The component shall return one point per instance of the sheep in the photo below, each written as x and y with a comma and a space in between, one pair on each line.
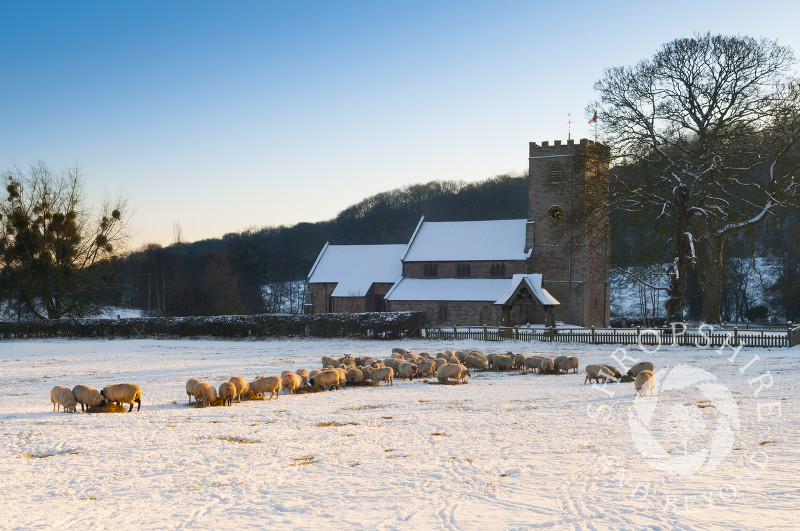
572, 363
227, 392
303, 373
438, 362
490, 360
533, 362
597, 373
87, 396
266, 384
355, 375
342, 375
407, 370
519, 361
328, 362
613, 370
479, 354
546, 365
474, 362
398, 350
190, 383
634, 371
242, 387
291, 381
347, 362
329, 378
449, 371
394, 363
385, 374
426, 355
645, 381
559, 362
62, 395
503, 362
464, 374
426, 367
123, 393
204, 394
441, 356
462, 355
366, 371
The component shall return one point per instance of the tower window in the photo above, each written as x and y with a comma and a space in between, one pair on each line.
556, 173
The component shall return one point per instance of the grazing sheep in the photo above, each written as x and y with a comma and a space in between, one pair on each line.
426, 355
474, 362
355, 375
62, 395
479, 354
503, 362
227, 392
490, 360
123, 393
448, 372
597, 373
426, 367
464, 374
613, 370
190, 383
572, 363
519, 361
303, 373
291, 381
398, 350
559, 362
242, 387
441, 356
328, 362
346, 363
87, 396
645, 381
386, 374
342, 375
534, 363
328, 378
204, 394
438, 362
546, 365
407, 370
266, 384
462, 355
634, 371
394, 363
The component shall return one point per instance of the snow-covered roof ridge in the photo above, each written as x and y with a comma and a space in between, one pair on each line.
447, 289
502, 239
534, 282
354, 268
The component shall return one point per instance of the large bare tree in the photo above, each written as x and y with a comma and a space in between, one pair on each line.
54, 252
707, 131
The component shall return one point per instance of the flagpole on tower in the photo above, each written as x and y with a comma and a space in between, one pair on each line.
569, 126
594, 121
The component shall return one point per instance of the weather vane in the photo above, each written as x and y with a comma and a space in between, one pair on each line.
569, 126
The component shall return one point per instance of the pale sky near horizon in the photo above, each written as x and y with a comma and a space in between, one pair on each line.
228, 115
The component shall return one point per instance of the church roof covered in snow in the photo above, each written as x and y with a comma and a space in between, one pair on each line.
502, 239
356, 267
533, 282
448, 289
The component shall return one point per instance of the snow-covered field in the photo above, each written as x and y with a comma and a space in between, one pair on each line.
716, 447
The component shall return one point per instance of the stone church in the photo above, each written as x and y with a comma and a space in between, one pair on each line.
552, 266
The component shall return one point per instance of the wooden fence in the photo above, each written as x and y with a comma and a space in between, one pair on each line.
624, 336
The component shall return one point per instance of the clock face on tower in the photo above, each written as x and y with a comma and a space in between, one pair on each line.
555, 213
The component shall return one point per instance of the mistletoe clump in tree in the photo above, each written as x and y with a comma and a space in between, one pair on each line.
705, 135
56, 257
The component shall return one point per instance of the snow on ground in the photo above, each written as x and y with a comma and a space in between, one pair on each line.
716, 447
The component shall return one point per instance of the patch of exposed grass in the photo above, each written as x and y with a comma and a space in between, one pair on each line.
237, 440
92, 498
42, 456
626, 379
334, 423
387, 418
389, 450
307, 390
397, 456
307, 460
437, 434
108, 408
705, 403
762, 443
348, 435
361, 408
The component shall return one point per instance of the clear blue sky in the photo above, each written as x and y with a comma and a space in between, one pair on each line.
227, 115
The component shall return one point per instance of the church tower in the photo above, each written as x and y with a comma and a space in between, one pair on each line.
568, 238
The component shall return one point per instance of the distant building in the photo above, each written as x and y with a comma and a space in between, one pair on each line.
502, 272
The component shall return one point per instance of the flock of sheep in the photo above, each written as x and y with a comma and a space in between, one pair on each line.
338, 372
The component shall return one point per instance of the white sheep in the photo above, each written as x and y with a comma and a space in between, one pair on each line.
407, 370
634, 371
534, 363
227, 392
190, 383
328, 378
303, 373
597, 373
290, 381
613, 370
546, 365
266, 384
449, 371
123, 393
242, 387
62, 396
355, 375
204, 394
87, 396
645, 381
385, 374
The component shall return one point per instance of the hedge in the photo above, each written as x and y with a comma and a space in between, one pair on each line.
364, 325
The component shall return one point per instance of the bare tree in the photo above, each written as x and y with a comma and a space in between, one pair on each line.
55, 254
709, 129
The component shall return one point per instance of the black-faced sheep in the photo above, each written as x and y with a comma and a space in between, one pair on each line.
62, 396
87, 396
227, 392
123, 393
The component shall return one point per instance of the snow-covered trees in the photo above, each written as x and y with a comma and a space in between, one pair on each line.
706, 135
54, 255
